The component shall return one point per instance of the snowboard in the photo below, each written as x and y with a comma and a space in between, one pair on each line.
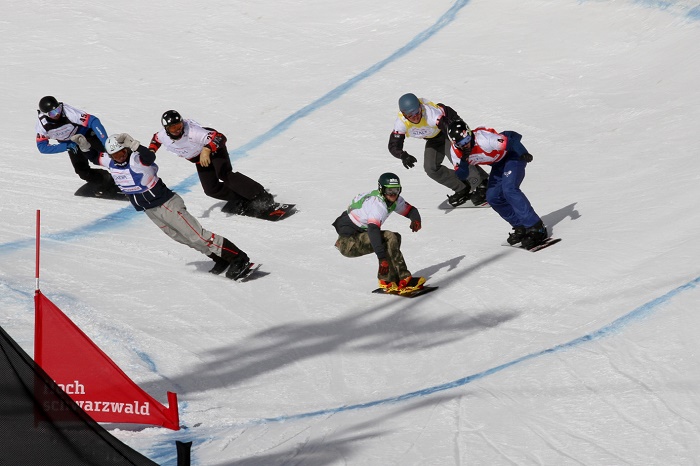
411, 294
274, 214
445, 205
248, 273
543, 245
91, 190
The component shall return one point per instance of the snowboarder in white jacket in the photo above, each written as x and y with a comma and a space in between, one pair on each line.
206, 148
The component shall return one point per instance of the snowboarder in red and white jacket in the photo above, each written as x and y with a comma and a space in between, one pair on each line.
508, 158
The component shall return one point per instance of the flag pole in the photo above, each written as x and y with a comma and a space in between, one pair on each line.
38, 333
38, 224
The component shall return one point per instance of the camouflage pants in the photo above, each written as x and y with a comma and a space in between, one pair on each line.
359, 245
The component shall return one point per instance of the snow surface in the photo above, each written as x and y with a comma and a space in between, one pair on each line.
585, 353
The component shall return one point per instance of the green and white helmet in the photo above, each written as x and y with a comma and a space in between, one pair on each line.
388, 180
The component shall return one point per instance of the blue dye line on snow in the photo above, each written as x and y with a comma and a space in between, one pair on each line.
614, 327
689, 10
110, 221
147, 359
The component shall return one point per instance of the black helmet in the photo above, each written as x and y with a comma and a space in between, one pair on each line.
388, 180
48, 103
459, 133
409, 104
170, 117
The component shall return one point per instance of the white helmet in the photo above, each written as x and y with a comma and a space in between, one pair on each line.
112, 145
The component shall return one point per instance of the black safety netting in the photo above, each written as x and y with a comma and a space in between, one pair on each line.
41, 425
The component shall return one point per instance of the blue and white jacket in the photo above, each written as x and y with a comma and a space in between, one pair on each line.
72, 121
137, 178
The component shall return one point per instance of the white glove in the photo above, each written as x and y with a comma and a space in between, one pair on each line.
82, 143
126, 140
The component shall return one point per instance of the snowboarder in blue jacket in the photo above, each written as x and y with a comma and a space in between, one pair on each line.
59, 121
508, 158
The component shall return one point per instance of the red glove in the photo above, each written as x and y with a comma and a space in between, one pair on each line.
383, 267
415, 225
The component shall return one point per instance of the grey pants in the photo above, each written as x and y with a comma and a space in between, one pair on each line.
359, 245
174, 220
436, 149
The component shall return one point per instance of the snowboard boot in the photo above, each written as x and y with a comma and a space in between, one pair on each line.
459, 197
409, 284
534, 235
238, 260
478, 197
388, 286
239, 268
260, 204
235, 205
516, 236
220, 264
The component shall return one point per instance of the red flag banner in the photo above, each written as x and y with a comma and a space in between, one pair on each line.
89, 376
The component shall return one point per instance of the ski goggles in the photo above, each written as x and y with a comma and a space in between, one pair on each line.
56, 111
175, 127
392, 191
464, 142
412, 114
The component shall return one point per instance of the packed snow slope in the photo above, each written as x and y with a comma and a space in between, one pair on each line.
583, 353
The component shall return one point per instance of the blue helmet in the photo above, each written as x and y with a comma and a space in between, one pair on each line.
409, 104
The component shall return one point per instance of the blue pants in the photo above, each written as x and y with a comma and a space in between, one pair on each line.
504, 194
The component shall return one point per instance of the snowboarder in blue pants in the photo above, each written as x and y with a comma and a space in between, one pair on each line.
508, 158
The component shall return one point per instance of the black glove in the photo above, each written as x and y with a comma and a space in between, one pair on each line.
383, 267
408, 160
526, 157
415, 225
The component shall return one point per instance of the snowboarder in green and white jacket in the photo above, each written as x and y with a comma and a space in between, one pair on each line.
359, 232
